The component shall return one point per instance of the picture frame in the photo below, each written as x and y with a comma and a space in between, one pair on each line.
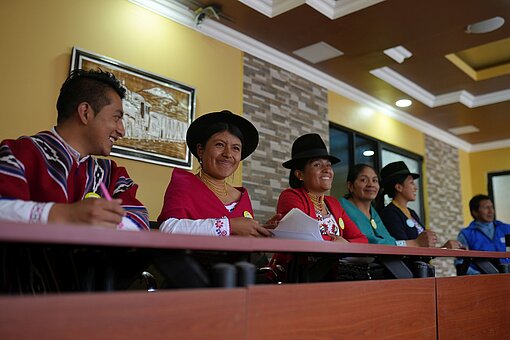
157, 112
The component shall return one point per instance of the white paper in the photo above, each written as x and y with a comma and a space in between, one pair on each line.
298, 226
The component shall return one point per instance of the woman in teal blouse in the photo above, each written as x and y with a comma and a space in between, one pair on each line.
363, 186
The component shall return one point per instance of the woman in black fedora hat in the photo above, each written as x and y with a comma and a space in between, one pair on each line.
401, 221
311, 176
204, 203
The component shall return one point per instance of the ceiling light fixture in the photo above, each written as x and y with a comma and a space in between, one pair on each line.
485, 26
461, 130
318, 52
403, 103
368, 153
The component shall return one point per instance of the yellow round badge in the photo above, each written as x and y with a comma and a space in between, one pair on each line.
341, 223
247, 214
92, 195
372, 222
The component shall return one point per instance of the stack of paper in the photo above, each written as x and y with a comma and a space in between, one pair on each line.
298, 226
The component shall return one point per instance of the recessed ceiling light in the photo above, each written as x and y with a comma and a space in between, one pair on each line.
464, 129
318, 52
485, 26
368, 153
403, 103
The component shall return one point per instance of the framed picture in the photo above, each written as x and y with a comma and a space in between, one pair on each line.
157, 112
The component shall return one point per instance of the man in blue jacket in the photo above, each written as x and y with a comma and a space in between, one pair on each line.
484, 232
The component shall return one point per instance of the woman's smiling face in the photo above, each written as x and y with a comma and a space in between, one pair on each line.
366, 186
221, 154
317, 175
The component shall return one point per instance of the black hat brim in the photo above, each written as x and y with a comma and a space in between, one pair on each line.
291, 164
388, 180
196, 131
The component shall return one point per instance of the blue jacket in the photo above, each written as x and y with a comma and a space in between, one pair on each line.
477, 240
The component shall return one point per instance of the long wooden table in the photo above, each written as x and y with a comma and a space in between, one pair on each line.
429, 308
101, 237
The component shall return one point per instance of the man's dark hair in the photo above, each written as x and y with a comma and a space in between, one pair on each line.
474, 203
86, 86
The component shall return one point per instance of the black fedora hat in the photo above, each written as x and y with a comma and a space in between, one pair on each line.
395, 169
199, 130
306, 147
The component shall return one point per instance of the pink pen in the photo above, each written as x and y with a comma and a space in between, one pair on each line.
107, 196
105, 192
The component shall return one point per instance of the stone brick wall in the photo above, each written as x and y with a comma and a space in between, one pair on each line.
444, 196
283, 107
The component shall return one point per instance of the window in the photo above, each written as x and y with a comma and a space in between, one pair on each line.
499, 192
353, 148
339, 145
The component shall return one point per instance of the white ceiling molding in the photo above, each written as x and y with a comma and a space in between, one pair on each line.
169, 9
405, 85
272, 8
500, 144
335, 9
398, 53
249, 45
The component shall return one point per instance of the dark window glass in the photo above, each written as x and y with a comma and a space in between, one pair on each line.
340, 144
353, 148
366, 151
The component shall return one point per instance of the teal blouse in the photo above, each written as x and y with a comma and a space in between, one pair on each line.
377, 236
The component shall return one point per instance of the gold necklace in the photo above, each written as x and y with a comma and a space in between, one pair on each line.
317, 200
219, 189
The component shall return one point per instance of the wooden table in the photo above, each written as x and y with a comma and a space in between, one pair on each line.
428, 308
100, 237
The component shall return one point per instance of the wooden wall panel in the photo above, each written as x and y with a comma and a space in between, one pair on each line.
190, 314
385, 309
474, 307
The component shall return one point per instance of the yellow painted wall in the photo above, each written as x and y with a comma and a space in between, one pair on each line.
36, 42
484, 162
366, 120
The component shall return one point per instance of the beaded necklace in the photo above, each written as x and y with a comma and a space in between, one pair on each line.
317, 200
219, 189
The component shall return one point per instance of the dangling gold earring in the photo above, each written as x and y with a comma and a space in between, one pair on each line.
200, 168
